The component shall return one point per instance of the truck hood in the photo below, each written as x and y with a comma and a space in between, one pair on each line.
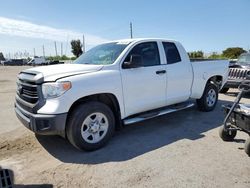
55, 72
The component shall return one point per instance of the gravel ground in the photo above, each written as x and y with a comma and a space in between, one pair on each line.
181, 149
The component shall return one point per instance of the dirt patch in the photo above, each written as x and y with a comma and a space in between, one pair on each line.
8, 91
18, 146
4, 81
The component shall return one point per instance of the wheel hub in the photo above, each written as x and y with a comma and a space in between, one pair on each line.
211, 97
95, 127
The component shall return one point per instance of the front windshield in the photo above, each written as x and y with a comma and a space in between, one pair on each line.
104, 54
244, 59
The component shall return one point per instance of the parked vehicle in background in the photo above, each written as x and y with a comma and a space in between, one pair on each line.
55, 62
13, 62
232, 62
238, 72
115, 84
37, 61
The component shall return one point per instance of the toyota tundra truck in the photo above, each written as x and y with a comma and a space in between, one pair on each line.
112, 85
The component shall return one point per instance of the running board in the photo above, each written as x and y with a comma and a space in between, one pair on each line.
162, 111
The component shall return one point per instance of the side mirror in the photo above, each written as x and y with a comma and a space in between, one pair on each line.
135, 62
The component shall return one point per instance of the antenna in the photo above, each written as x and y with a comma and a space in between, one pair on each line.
67, 44
61, 49
83, 44
43, 51
131, 30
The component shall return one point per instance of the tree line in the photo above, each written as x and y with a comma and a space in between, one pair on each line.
229, 53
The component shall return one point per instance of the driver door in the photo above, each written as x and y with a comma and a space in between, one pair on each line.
144, 88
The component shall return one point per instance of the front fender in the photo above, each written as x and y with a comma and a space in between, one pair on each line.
107, 81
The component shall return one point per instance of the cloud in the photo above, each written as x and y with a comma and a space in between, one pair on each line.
21, 28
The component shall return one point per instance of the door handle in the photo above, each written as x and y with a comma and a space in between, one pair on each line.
161, 72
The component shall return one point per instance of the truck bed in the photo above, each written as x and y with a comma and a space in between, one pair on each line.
203, 70
204, 60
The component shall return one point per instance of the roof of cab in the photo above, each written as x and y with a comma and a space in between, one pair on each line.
141, 39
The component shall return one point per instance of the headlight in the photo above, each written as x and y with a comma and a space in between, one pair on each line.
55, 89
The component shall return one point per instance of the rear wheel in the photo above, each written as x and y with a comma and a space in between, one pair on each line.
90, 126
209, 98
224, 90
227, 135
247, 146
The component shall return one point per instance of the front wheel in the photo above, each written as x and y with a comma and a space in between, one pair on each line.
209, 98
90, 126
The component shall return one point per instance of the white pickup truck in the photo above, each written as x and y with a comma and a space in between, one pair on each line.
37, 61
115, 84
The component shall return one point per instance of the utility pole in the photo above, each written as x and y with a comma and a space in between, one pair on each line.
131, 30
43, 51
26, 54
67, 43
34, 52
55, 48
83, 44
61, 49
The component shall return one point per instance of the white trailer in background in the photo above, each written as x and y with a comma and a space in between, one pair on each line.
37, 61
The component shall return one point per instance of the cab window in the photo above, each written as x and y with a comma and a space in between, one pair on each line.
149, 53
172, 53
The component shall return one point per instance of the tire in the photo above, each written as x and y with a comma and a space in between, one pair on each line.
227, 135
209, 98
6, 177
224, 90
90, 126
247, 146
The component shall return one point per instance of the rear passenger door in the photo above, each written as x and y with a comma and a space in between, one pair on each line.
179, 75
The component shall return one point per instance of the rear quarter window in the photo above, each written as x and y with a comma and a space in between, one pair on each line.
171, 52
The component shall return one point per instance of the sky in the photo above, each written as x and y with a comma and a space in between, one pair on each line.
210, 26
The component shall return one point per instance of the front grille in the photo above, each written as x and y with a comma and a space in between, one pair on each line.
27, 90
237, 73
